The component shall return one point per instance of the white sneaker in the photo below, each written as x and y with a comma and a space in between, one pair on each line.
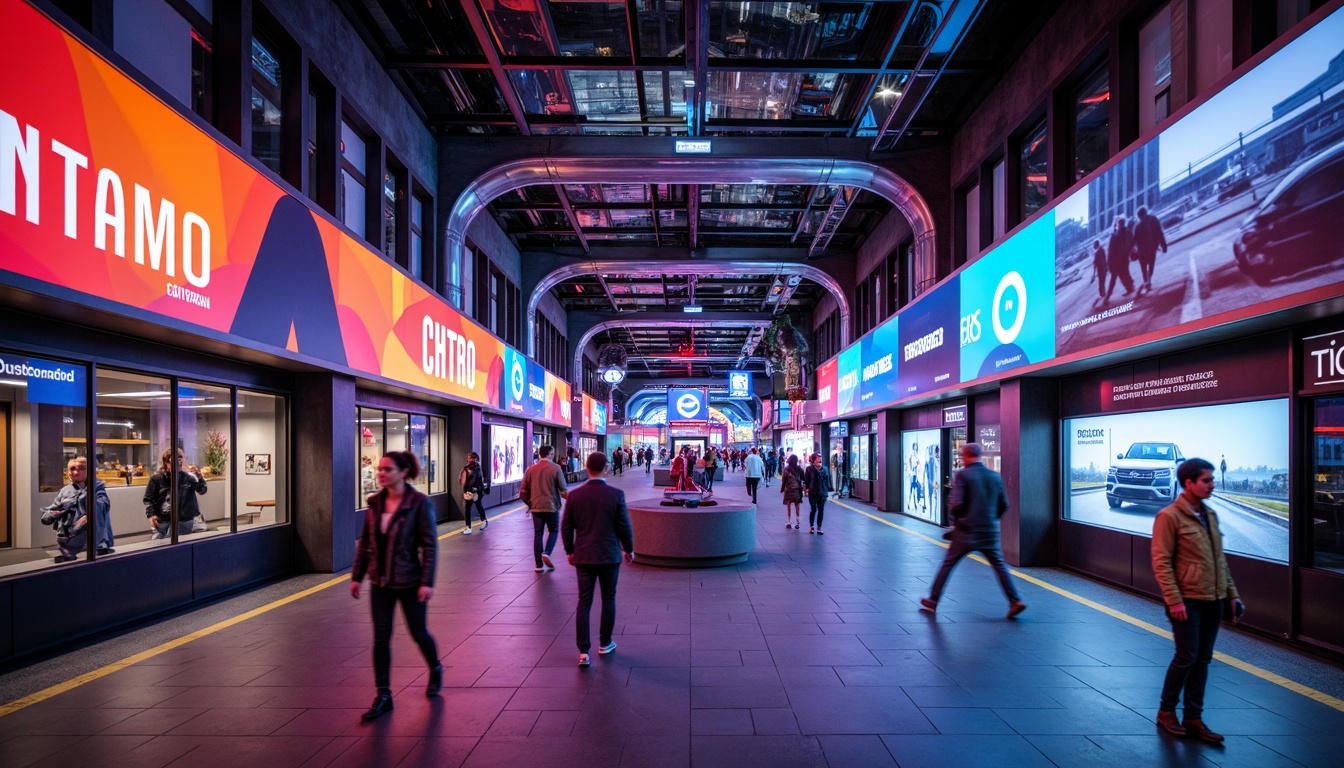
583, 660
546, 560
539, 569
485, 524
606, 649
466, 532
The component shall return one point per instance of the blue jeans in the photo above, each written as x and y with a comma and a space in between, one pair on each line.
1189, 668
541, 520
606, 575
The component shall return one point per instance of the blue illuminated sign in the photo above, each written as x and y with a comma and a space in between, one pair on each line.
535, 402
47, 381
928, 334
847, 380
1008, 304
687, 405
513, 393
878, 377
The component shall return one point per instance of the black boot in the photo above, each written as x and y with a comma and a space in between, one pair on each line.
435, 681
382, 704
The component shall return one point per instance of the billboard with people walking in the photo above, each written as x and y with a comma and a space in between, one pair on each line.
1234, 209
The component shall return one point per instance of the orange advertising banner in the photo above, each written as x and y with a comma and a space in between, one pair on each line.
107, 192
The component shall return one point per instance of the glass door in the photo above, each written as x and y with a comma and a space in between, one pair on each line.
1327, 471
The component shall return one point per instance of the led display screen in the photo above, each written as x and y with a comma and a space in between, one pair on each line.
534, 405
594, 416
506, 454
1239, 202
739, 385
513, 393
879, 350
826, 394
1122, 469
847, 380
1008, 304
687, 405
921, 471
928, 337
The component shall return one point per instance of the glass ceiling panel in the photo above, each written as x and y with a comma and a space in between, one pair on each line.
665, 93
632, 219
588, 28
662, 28
797, 31
431, 30
775, 95
754, 194
519, 28
598, 95
457, 91
583, 193
676, 219
625, 193
714, 217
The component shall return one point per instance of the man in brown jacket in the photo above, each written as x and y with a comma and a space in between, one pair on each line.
1190, 568
542, 489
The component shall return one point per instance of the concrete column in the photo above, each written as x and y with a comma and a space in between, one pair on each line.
1030, 418
887, 484
325, 471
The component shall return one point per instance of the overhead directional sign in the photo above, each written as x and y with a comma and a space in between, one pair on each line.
687, 405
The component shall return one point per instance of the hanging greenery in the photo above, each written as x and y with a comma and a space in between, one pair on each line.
785, 348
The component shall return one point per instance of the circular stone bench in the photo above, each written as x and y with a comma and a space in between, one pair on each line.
697, 537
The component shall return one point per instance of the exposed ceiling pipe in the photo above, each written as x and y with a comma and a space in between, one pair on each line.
674, 170
606, 325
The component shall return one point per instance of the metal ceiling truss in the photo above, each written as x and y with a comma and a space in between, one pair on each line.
505, 178
629, 323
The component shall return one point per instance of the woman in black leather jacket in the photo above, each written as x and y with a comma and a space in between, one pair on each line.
190, 484
397, 552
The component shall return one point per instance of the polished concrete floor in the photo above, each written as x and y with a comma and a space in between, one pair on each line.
814, 653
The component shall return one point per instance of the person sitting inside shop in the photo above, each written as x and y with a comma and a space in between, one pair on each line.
190, 484
69, 513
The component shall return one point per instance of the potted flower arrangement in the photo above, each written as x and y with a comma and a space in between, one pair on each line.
216, 451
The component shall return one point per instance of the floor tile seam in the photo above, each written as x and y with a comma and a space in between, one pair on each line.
1264, 674
116, 666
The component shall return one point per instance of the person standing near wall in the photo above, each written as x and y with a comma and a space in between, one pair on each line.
977, 503
791, 485
1190, 568
398, 551
473, 488
818, 485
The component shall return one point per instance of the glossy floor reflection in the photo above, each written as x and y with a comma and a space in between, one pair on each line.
814, 653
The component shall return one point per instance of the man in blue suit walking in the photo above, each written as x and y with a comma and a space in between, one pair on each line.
976, 504
596, 530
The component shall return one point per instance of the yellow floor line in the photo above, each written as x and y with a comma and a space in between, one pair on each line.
1263, 674
75, 682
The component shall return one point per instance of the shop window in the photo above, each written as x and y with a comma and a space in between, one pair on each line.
354, 164
204, 442
1091, 122
382, 431
999, 180
394, 207
1327, 472
134, 429
45, 429
262, 449
1034, 166
268, 80
1155, 69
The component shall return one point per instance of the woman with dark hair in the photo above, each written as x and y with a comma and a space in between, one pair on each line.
190, 484
791, 485
397, 552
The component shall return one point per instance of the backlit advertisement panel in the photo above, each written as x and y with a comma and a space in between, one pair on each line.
558, 405
739, 385
847, 380
687, 405
534, 405
111, 199
1008, 304
1122, 469
826, 389
1239, 202
879, 350
594, 416
928, 342
921, 469
513, 389
506, 454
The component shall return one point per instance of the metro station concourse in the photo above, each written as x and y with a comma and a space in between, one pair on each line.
266, 242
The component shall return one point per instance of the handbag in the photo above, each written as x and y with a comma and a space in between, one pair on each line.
468, 496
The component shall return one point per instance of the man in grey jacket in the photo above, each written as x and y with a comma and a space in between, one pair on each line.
542, 489
596, 529
976, 504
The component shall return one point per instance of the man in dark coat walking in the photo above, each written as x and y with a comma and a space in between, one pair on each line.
976, 504
1148, 237
1118, 251
596, 529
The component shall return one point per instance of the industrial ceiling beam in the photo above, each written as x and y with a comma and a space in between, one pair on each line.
630, 323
